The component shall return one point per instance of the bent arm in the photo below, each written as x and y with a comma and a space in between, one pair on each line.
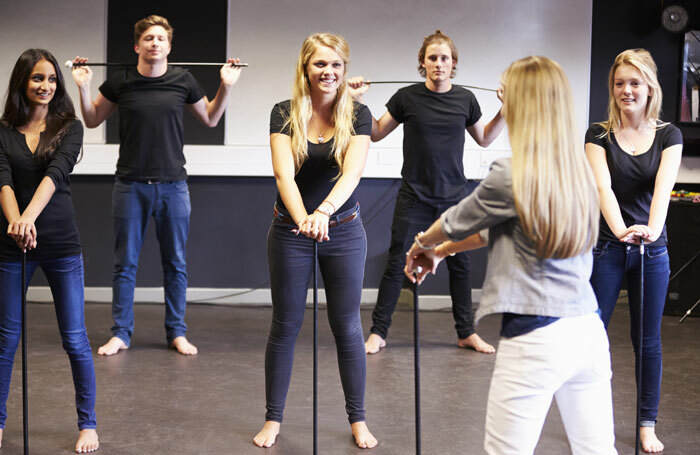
665, 179
94, 112
609, 206
382, 127
283, 170
353, 166
210, 112
484, 135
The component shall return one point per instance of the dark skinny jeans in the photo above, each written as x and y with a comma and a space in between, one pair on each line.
341, 261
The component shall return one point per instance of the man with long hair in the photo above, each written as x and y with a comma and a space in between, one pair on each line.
435, 115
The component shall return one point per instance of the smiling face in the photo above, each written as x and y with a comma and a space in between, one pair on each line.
438, 63
325, 71
154, 45
630, 90
41, 85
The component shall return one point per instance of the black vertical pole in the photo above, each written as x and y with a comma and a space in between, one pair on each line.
416, 358
315, 350
640, 347
25, 397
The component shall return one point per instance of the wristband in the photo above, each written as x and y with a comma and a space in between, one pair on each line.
319, 209
331, 204
419, 244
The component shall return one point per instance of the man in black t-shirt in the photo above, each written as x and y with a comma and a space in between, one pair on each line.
435, 115
151, 178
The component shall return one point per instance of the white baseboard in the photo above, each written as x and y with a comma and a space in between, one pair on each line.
240, 296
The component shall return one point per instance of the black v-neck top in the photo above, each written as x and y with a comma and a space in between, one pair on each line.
57, 229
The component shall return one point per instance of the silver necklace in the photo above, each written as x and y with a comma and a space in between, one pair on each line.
320, 138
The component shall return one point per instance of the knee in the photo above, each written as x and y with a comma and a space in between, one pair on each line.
347, 332
284, 331
76, 343
9, 341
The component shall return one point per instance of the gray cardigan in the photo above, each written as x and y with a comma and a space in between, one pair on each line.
517, 281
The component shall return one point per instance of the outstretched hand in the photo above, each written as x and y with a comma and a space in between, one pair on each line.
420, 262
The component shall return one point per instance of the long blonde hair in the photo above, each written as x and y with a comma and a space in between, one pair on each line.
555, 194
643, 61
301, 108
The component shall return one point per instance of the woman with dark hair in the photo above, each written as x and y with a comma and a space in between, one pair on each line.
635, 159
319, 141
40, 142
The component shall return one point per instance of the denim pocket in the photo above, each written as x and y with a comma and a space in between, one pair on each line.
599, 251
656, 252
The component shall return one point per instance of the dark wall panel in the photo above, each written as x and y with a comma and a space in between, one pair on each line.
228, 229
198, 37
639, 26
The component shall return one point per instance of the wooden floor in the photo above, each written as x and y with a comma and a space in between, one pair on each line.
153, 401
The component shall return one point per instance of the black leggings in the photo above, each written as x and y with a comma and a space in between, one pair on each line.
341, 262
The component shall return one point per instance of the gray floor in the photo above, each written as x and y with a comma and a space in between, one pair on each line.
154, 401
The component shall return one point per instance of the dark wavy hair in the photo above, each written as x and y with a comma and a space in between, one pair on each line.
61, 111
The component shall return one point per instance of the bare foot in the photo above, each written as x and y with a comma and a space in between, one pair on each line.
113, 346
363, 438
268, 434
183, 346
650, 443
374, 343
475, 342
0, 437
87, 441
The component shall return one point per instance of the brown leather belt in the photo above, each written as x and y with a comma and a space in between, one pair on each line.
331, 224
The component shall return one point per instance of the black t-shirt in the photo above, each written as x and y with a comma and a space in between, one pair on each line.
56, 226
433, 140
318, 173
633, 176
150, 121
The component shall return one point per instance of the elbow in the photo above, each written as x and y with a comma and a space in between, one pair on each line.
485, 142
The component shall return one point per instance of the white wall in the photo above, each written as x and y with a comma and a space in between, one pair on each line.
384, 36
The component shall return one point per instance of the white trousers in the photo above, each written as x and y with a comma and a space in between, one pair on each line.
569, 360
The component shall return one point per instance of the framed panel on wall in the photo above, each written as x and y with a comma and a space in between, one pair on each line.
196, 38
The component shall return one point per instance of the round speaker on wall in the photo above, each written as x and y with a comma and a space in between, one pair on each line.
674, 18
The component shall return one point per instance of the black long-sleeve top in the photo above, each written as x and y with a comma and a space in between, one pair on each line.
57, 229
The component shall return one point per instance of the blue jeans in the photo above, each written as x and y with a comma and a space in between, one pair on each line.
410, 217
613, 261
133, 204
342, 262
65, 277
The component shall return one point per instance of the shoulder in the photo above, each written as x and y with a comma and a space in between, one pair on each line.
360, 110
596, 134
120, 75
670, 135
75, 126
408, 91
498, 184
282, 108
501, 169
463, 93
